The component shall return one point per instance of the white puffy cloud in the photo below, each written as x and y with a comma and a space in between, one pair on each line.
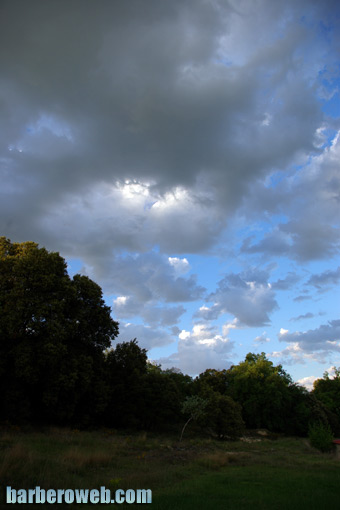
307, 382
181, 266
204, 347
294, 354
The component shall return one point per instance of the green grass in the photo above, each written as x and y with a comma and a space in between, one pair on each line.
262, 488
197, 473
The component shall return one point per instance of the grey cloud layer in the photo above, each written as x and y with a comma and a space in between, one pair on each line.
173, 94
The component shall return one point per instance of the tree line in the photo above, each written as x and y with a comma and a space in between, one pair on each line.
58, 366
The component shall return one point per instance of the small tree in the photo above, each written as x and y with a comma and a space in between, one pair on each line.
193, 406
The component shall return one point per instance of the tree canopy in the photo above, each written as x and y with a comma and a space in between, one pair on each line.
53, 330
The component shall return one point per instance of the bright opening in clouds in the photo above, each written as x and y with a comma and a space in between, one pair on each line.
184, 155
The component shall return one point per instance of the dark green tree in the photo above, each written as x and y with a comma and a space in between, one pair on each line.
161, 400
262, 389
223, 417
53, 331
327, 390
126, 367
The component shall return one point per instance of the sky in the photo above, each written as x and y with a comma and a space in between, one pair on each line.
184, 155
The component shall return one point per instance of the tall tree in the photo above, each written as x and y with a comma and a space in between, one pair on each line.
53, 331
262, 389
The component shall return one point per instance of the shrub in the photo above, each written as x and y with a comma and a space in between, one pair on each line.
320, 436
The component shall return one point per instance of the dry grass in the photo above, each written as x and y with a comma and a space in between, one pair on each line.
77, 457
218, 460
16, 457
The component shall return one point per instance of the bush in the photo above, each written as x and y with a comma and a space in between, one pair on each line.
320, 436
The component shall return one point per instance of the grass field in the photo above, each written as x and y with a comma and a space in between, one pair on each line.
285, 473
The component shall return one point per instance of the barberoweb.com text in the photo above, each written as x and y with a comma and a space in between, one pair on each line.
94, 496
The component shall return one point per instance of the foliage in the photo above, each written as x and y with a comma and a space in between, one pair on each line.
327, 390
223, 417
53, 330
216, 380
125, 366
261, 389
161, 401
194, 406
320, 436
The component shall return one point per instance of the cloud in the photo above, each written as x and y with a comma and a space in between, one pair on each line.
262, 339
126, 307
287, 283
181, 266
307, 315
87, 112
309, 200
147, 337
204, 347
301, 298
307, 382
247, 296
135, 136
149, 277
320, 281
293, 354
324, 338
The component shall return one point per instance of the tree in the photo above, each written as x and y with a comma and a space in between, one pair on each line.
161, 400
53, 331
262, 389
126, 367
223, 417
193, 406
327, 390
216, 380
